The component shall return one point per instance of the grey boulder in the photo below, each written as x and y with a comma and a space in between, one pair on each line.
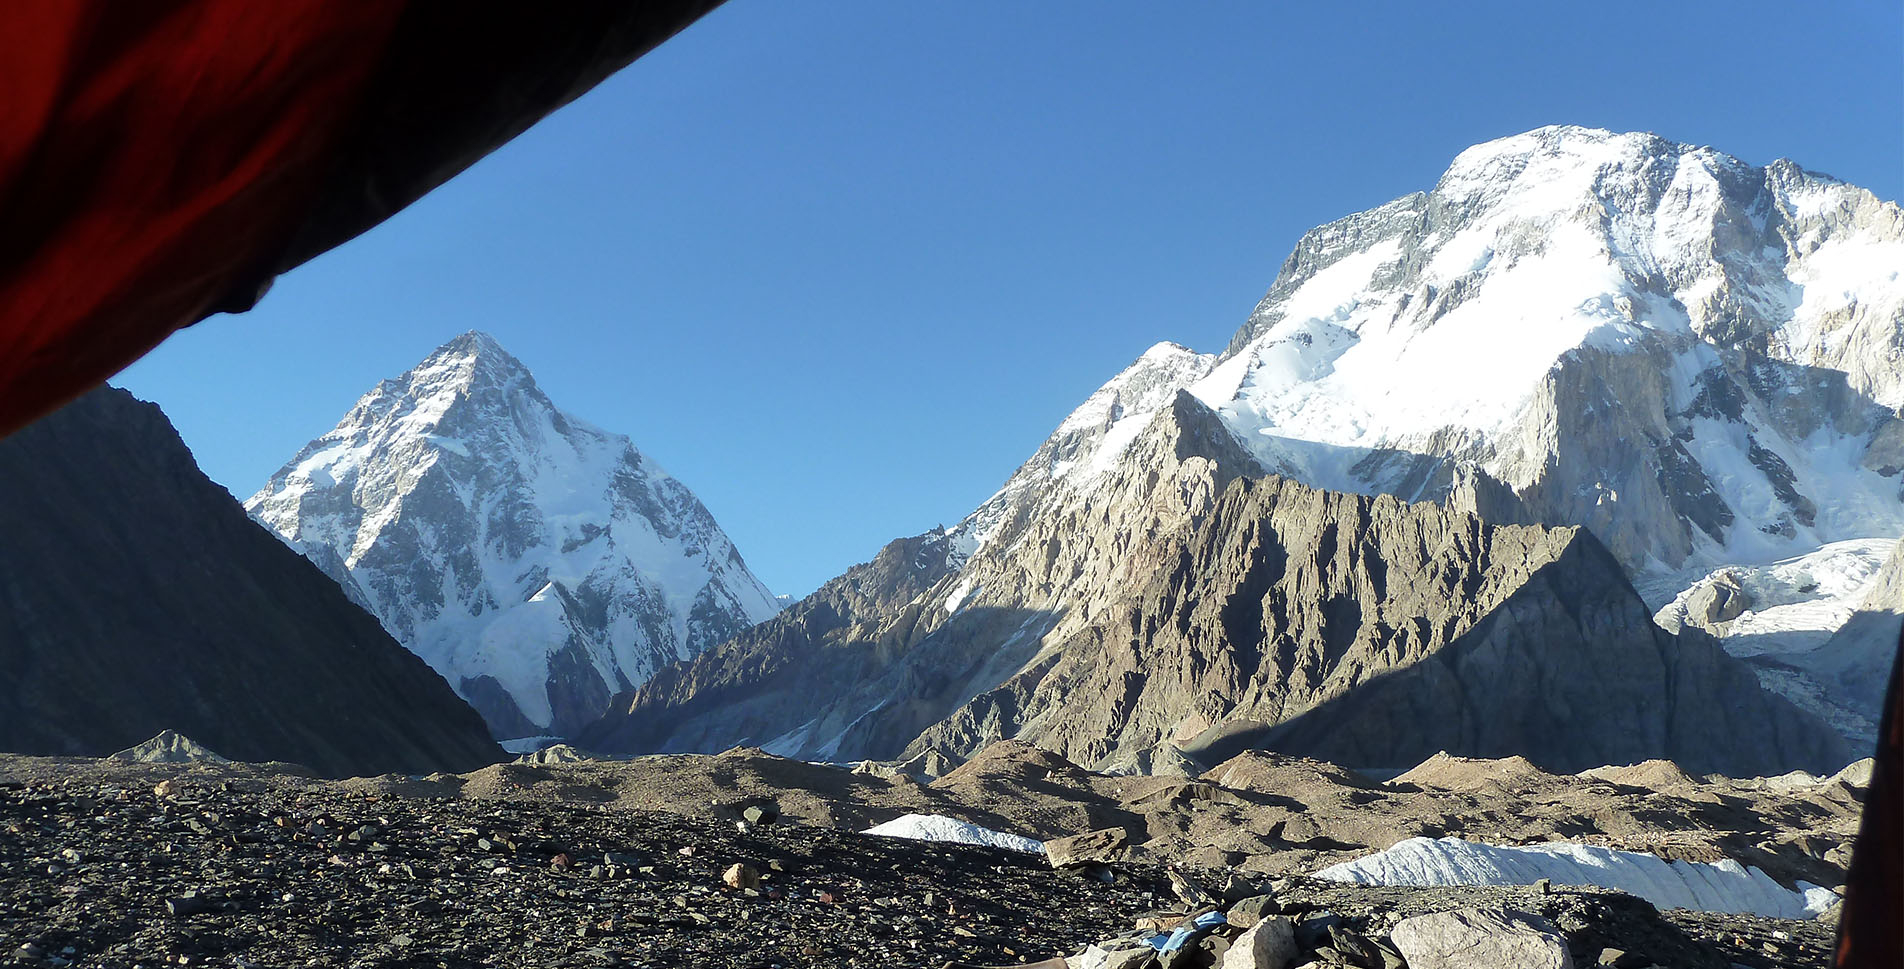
1474, 938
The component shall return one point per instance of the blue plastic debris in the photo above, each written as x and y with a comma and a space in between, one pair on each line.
1181, 936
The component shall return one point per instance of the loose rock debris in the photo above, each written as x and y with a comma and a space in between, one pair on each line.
166, 867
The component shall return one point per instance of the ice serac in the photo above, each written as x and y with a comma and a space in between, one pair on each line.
1857, 659
140, 600
542, 565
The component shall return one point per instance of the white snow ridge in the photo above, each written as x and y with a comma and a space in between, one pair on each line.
938, 827
1725, 886
542, 565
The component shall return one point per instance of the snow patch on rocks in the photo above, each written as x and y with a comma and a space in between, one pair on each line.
938, 827
1726, 886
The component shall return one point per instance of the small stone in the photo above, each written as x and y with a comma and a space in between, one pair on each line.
167, 788
764, 812
686, 851
741, 876
561, 862
190, 903
1545, 886
621, 859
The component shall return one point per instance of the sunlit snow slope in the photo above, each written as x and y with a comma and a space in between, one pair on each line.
539, 563
1699, 359
1725, 886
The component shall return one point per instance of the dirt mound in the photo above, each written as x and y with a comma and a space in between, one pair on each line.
1653, 775
1476, 774
1272, 773
556, 754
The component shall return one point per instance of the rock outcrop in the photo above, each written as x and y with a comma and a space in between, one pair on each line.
140, 598
1372, 632
880, 654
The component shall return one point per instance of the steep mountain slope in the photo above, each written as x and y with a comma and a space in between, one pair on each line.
1700, 360
540, 564
139, 598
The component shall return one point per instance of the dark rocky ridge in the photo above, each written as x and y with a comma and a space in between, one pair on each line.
139, 597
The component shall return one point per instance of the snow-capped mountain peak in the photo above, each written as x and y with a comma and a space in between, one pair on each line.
1696, 357
538, 562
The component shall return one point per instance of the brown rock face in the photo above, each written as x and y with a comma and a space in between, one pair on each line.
1372, 632
137, 597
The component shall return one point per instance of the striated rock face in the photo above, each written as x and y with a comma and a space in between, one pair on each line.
140, 599
540, 564
873, 658
1371, 632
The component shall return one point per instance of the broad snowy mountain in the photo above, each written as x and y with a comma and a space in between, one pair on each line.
1699, 361
540, 564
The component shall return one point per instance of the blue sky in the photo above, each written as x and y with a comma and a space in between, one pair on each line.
841, 266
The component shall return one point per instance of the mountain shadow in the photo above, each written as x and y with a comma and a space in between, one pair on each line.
137, 596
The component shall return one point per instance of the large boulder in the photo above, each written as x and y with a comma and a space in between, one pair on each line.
1475, 938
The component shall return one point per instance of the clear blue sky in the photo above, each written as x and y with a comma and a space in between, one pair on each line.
840, 266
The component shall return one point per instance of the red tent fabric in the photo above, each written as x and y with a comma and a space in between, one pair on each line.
164, 160
1871, 926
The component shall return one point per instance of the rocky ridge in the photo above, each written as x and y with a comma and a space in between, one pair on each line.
208, 625
540, 564
1172, 605
1371, 632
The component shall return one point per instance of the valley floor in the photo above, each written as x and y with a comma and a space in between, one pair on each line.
105, 863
